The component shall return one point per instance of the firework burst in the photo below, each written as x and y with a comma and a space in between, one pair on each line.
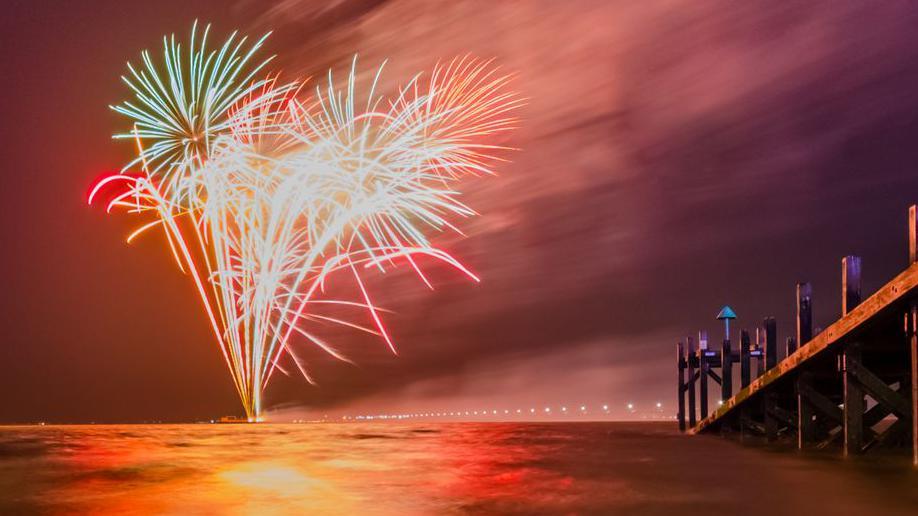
266, 193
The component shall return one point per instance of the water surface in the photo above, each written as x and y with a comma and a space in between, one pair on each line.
455, 468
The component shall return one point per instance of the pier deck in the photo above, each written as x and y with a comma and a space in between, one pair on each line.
851, 386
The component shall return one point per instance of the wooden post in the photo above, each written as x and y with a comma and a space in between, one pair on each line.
790, 345
771, 343
726, 371
806, 429
853, 413
704, 366
851, 283
745, 369
804, 313
912, 235
913, 351
691, 382
912, 329
680, 362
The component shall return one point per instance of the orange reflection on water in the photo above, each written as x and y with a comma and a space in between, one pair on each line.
408, 469
258, 469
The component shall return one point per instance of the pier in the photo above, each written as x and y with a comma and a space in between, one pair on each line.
851, 387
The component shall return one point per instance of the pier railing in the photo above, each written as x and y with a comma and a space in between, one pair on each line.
852, 386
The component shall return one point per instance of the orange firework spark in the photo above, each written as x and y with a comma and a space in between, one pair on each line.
264, 192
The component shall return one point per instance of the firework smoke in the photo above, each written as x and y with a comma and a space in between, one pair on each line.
265, 193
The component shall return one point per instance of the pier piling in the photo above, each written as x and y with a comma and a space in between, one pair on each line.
704, 372
804, 313
681, 365
745, 364
692, 378
726, 371
771, 343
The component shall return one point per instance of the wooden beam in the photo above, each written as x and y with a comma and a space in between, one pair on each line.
851, 283
716, 377
747, 423
820, 403
853, 400
891, 435
785, 417
834, 435
806, 426
769, 408
878, 390
804, 313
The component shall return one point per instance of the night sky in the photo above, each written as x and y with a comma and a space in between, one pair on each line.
674, 157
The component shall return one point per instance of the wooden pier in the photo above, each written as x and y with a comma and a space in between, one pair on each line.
852, 386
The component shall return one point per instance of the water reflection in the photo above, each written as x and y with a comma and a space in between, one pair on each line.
403, 469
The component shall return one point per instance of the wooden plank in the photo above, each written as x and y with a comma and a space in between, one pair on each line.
888, 297
851, 283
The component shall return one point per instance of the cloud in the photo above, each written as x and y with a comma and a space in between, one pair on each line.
657, 134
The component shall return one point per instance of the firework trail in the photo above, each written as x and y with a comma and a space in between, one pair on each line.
266, 193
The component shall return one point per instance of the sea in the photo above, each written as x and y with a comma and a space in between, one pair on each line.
431, 468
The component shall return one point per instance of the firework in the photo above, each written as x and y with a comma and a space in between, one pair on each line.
266, 193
